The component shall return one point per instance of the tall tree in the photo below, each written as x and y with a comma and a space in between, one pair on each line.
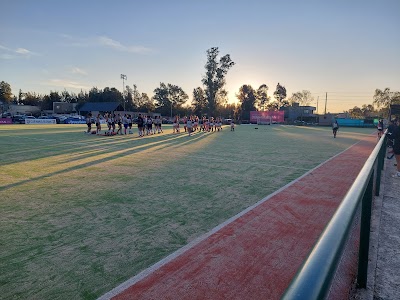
386, 97
262, 97
161, 99
356, 113
5, 92
248, 99
147, 103
303, 98
199, 101
280, 94
228, 110
130, 106
31, 99
214, 79
177, 95
383, 99
367, 110
169, 96
111, 95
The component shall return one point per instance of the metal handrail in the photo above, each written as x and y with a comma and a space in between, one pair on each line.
313, 280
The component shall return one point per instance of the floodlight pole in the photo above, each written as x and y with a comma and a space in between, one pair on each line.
123, 77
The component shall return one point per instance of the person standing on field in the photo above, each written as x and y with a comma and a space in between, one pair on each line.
140, 123
189, 125
98, 124
335, 128
89, 123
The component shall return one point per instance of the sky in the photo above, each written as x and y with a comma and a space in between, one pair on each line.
342, 49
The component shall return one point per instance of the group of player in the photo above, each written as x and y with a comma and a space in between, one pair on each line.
122, 124
194, 123
118, 124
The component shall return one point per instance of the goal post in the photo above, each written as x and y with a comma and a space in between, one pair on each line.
267, 120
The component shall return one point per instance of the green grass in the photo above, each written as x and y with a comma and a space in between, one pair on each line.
80, 214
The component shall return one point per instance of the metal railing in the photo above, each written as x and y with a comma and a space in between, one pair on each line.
313, 280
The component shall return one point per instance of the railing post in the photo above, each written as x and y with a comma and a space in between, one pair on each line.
364, 234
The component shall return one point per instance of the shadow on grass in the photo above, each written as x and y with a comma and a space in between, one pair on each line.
52, 149
168, 141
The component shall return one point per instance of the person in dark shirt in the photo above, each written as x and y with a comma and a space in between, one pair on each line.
396, 147
335, 128
140, 123
389, 135
380, 128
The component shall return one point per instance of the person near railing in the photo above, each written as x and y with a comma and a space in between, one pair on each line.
396, 147
380, 128
389, 134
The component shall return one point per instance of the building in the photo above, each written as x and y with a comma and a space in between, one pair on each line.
64, 107
295, 112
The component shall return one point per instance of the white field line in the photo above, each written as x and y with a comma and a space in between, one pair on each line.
205, 158
125, 285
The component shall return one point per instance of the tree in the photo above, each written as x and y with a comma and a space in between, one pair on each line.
228, 110
5, 93
199, 101
273, 106
214, 79
262, 97
303, 98
383, 99
168, 96
94, 95
129, 98
356, 113
48, 100
367, 110
31, 99
386, 97
280, 94
248, 99
177, 95
161, 99
111, 95
148, 103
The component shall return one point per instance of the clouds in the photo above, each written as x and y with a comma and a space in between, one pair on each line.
110, 43
63, 83
8, 53
105, 42
79, 71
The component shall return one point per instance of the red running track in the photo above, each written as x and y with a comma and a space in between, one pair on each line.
256, 254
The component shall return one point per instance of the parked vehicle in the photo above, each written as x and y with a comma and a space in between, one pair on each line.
74, 120
18, 119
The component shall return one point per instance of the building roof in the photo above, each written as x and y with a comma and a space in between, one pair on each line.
100, 106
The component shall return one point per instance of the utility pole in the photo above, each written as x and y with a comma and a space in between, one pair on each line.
134, 95
123, 77
317, 104
326, 101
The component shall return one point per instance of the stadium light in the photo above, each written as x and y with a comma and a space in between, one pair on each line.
123, 77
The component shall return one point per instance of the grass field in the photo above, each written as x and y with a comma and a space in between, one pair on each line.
82, 213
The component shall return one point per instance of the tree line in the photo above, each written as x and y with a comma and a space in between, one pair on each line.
209, 99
